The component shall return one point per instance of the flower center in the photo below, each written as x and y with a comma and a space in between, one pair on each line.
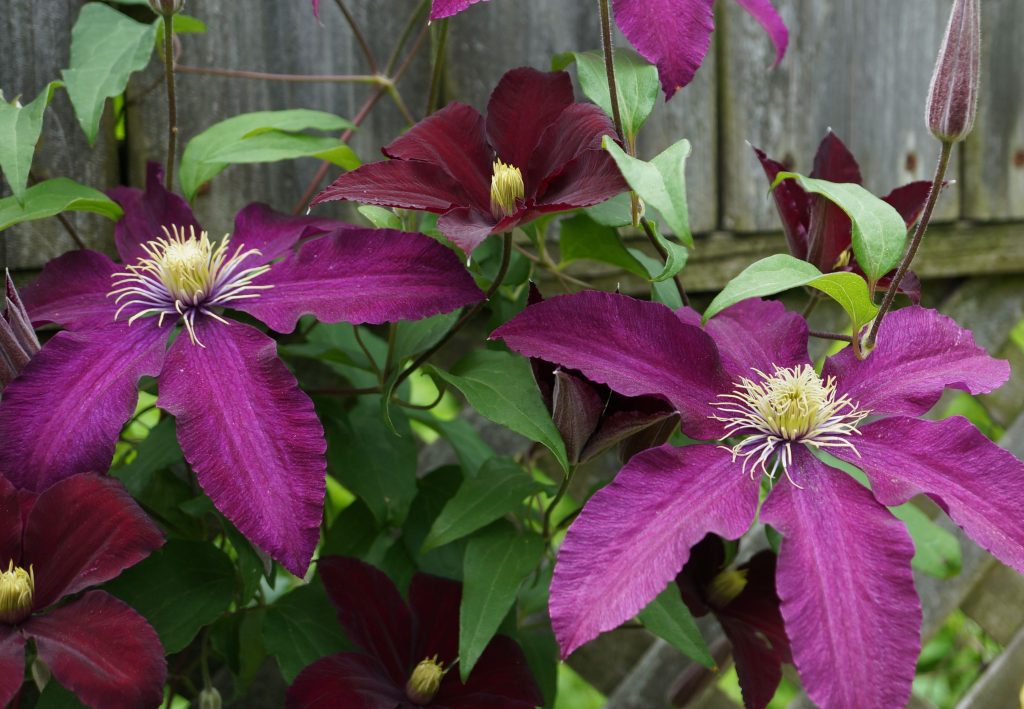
184, 275
425, 680
792, 406
16, 589
506, 189
726, 586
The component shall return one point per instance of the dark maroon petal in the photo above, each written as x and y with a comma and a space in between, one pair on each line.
589, 179
759, 334
910, 286
768, 17
501, 679
852, 615
447, 8
830, 234
454, 140
397, 183
523, 104
978, 483
920, 353
674, 34
12, 663
634, 535
638, 423
580, 127
792, 203
346, 680
435, 607
64, 413
576, 410
467, 228
909, 200
83, 531
102, 650
363, 276
706, 559
251, 436
146, 214
10, 525
834, 161
372, 613
258, 226
635, 347
72, 291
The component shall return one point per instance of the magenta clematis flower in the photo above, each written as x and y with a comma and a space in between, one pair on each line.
851, 613
818, 231
244, 426
408, 650
674, 34
81, 532
537, 152
744, 601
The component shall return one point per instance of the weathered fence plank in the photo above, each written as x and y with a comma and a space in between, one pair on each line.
859, 66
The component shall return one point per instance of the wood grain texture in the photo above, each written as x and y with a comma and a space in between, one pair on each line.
860, 66
994, 165
36, 46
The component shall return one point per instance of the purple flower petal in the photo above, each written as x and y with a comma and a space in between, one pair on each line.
73, 545
258, 226
978, 483
634, 535
577, 408
397, 183
768, 17
103, 651
454, 140
251, 436
12, 663
635, 347
345, 680
466, 228
435, 606
590, 179
833, 161
447, 8
372, 613
10, 523
920, 353
759, 334
146, 214
852, 615
674, 34
501, 679
792, 203
580, 127
363, 276
64, 413
522, 106
72, 291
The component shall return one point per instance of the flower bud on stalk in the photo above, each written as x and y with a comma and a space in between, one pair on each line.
166, 7
953, 96
18, 341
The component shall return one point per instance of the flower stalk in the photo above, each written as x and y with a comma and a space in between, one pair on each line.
172, 105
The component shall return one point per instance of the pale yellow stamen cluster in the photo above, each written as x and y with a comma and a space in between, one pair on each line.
507, 189
16, 589
425, 680
726, 586
791, 406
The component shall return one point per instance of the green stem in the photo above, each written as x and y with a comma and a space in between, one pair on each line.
172, 105
609, 64
293, 78
562, 489
439, 58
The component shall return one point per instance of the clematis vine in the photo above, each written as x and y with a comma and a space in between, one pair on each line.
246, 429
674, 34
817, 230
408, 649
847, 594
537, 152
81, 532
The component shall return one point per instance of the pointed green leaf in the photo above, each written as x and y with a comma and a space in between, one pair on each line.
106, 48
676, 256
661, 183
53, 197
851, 292
583, 238
20, 127
499, 488
496, 562
636, 83
879, 232
669, 618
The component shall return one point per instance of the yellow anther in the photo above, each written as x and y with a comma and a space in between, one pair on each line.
16, 589
726, 586
507, 189
425, 681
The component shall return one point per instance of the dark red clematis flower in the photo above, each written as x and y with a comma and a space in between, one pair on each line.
79, 533
746, 605
407, 650
538, 151
818, 231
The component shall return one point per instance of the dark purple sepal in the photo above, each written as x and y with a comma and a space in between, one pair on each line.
11, 522
274, 234
576, 410
758, 334
72, 291
434, 603
514, 132
345, 680
792, 203
12, 662
147, 213
501, 679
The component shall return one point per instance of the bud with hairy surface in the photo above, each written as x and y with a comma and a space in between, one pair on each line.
953, 96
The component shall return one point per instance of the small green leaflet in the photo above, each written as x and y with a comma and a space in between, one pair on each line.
582, 238
669, 618
879, 232
782, 272
106, 48
661, 183
263, 136
496, 562
380, 217
20, 127
53, 197
676, 255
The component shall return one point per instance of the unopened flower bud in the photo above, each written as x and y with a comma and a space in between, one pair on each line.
209, 698
953, 96
18, 340
166, 7
425, 681
506, 189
